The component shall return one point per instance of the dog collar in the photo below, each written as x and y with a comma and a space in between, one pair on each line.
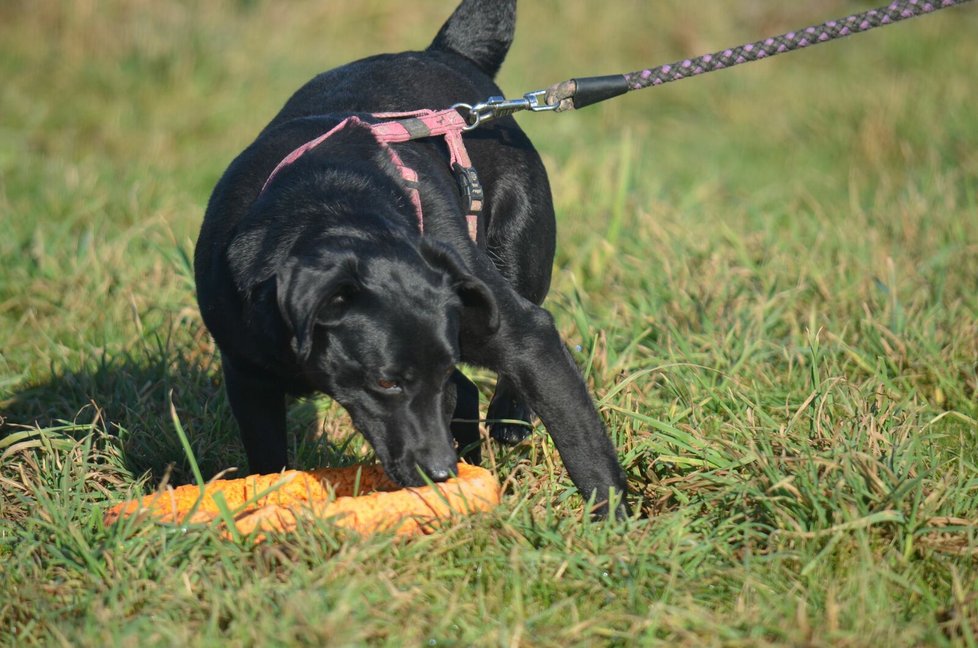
405, 126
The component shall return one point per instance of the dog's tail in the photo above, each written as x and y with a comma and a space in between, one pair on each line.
481, 31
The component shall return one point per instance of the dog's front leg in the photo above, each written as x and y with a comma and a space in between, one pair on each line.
258, 405
517, 339
528, 351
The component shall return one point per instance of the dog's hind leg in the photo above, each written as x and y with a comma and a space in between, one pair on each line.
259, 407
465, 418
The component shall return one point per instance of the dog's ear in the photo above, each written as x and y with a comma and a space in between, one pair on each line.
313, 294
481, 310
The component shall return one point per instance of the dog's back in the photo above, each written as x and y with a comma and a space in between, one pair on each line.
478, 34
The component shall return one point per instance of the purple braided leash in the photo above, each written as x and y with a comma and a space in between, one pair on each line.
577, 93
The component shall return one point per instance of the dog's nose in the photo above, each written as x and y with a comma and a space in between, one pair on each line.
438, 474
436, 464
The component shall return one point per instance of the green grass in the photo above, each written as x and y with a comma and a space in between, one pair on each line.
769, 276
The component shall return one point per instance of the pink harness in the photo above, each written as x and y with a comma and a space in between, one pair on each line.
406, 126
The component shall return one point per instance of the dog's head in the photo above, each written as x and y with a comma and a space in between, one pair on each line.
378, 330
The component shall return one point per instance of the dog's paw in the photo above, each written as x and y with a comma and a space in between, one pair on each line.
510, 433
509, 417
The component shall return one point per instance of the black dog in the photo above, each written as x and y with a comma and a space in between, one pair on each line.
315, 276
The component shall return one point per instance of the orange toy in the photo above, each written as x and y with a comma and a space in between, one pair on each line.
360, 498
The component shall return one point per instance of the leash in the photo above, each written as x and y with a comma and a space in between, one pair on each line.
578, 93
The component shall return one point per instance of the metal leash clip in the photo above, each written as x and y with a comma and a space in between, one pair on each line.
495, 107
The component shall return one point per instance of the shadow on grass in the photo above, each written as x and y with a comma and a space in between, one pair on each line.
129, 399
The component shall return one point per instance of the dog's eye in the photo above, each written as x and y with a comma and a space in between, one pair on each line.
389, 385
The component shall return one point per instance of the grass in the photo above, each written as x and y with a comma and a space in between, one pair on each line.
769, 276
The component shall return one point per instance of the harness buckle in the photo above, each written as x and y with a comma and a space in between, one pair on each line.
470, 187
472, 195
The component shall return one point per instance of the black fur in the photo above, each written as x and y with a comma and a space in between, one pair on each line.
323, 282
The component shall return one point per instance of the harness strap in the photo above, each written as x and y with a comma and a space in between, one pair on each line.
403, 127
450, 125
